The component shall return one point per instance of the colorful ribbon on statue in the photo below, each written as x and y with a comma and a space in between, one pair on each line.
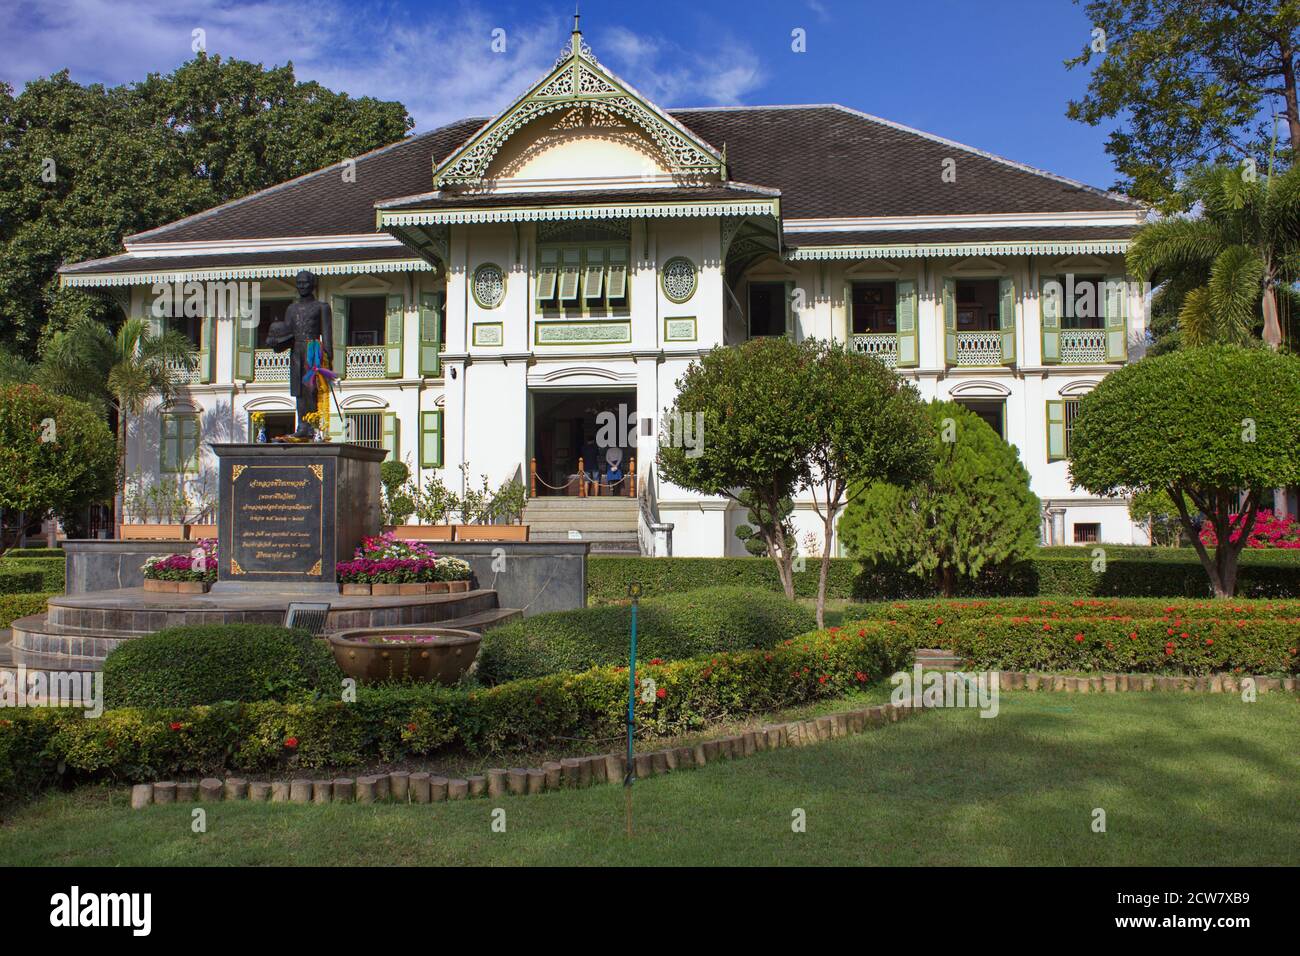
315, 365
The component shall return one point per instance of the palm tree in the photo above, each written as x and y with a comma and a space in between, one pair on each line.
123, 373
1229, 271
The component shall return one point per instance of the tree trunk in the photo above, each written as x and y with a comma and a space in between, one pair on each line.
1290, 97
828, 525
946, 581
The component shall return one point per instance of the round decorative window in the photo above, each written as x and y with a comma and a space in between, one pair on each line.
679, 278
489, 285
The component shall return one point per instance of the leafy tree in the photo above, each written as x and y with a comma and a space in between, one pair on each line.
871, 427
397, 503
1193, 81
209, 132
1155, 511
753, 403
56, 454
124, 373
1226, 271
749, 534
973, 512
1212, 427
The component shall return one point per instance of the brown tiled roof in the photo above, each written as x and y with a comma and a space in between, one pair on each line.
826, 162
833, 162
585, 197
321, 203
906, 237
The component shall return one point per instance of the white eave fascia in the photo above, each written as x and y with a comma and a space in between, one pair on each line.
938, 250
293, 244
1039, 220
132, 274
432, 217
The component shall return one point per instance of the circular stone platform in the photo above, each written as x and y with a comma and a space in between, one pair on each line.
78, 631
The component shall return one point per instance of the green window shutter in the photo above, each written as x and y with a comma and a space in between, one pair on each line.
245, 345
593, 275
431, 333
1116, 306
392, 438
394, 331
569, 275
1007, 319
950, 321
547, 272
189, 453
617, 274
431, 439
1051, 295
1056, 431
339, 308
789, 309
207, 348
905, 315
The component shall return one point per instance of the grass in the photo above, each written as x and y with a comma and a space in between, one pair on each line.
1185, 779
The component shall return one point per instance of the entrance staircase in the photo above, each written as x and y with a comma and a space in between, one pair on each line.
609, 525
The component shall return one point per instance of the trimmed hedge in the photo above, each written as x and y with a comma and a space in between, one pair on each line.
206, 664
675, 626
34, 553
20, 580
51, 570
396, 723
14, 606
1129, 572
936, 613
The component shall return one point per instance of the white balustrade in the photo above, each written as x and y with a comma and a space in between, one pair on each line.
881, 345
270, 366
364, 361
1083, 346
979, 348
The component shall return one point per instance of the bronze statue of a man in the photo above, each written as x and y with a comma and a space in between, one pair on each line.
305, 321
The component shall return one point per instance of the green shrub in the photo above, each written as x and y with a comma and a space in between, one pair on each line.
1129, 572
205, 664
672, 627
49, 569
397, 723
19, 580
33, 552
14, 606
936, 613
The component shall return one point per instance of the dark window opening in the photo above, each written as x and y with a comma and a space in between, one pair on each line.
190, 326
1087, 533
767, 307
873, 307
1086, 307
992, 411
275, 423
977, 305
366, 320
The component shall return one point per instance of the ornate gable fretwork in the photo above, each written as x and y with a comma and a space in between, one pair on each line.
578, 80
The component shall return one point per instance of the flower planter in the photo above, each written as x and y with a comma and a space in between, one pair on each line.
389, 590
354, 589
421, 532
418, 588
439, 654
437, 587
195, 532
491, 532
385, 590
151, 532
457, 587
177, 587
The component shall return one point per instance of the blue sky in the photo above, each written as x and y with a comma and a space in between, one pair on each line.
987, 73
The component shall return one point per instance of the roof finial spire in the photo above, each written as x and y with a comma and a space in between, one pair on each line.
575, 39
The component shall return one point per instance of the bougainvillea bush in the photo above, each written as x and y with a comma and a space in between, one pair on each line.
197, 564
1269, 531
384, 559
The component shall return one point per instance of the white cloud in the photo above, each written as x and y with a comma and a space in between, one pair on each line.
441, 65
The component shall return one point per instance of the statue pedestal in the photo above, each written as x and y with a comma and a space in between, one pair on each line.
288, 513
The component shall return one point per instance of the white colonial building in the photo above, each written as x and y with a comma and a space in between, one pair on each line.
498, 284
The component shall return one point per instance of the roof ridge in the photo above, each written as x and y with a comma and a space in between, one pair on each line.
203, 214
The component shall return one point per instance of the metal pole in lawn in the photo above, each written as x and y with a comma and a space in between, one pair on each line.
629, 774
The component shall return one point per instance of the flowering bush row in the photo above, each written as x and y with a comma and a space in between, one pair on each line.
395, 723
933, 615
1171, 645
1269, 531
383, 559
197, 564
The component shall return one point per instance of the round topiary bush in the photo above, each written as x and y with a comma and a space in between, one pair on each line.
205, 664
668, 628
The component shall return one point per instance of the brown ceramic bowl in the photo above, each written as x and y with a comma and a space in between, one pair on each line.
441, 654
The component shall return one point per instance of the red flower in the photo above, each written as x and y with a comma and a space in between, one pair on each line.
1209, 641
767, 657
175, 725
1133, 636
938, 621
291, 743
706, 672
823, 679
1078, 638
411, 727
1046, 626
656, 660
862, 632
661, 693
859, 676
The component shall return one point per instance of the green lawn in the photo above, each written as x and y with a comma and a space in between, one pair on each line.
1184, 779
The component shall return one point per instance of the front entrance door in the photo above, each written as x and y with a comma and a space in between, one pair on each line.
597, 428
